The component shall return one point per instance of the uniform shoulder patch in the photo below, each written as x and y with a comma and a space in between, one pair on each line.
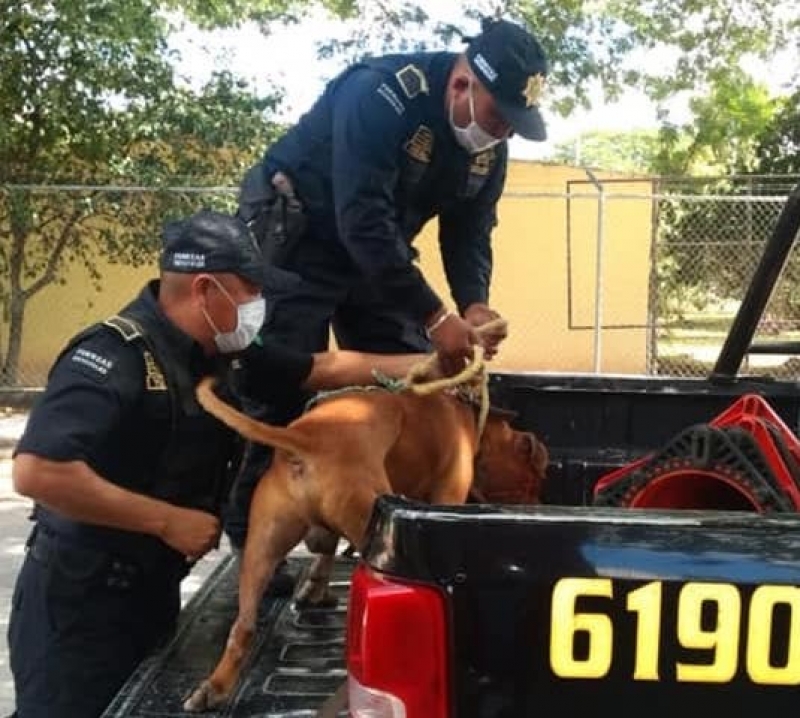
413, 81
420, 146
95, 364
388, 94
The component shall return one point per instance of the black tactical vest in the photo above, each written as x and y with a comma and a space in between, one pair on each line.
195, 468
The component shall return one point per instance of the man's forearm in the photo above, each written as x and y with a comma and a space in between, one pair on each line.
74, 490
336, 369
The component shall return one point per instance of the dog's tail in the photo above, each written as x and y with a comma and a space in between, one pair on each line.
251, 429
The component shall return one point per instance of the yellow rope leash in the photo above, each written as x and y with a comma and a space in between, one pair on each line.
473, 379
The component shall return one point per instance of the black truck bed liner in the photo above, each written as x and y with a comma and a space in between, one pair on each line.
297, 663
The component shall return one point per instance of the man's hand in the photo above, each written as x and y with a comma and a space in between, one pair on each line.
477, 315
453, 339
191, 532
75, 490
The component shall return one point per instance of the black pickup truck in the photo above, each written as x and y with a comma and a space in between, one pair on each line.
661, 574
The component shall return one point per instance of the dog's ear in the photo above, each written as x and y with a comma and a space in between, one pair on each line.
536, 451
524, 443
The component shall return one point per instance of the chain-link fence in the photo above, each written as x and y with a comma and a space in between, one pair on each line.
710, 237
71, 255
660, 266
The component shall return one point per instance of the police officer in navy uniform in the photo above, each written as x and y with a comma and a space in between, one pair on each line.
128, 473
336, 203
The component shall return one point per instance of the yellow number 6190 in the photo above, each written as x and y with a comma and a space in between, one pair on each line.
720, 641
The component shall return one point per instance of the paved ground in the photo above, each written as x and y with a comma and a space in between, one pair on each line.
14, 528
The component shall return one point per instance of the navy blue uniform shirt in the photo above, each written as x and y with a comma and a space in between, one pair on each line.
92, 409
375, 159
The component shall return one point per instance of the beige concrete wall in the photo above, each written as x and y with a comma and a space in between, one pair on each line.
57, 312
543, 283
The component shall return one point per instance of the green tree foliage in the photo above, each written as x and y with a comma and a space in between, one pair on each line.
710, 247
722, 135
629, 152
611, 45
778, 143
269, 14
61, 65
591, 42
88, 97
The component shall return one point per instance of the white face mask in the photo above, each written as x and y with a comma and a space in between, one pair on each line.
249, 318
473, 138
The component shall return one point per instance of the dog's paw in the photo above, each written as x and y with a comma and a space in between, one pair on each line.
203, 698
315, 594
328, 601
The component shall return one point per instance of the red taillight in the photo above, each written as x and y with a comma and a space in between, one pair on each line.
397, 654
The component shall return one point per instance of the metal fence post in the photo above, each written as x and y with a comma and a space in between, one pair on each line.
598, 281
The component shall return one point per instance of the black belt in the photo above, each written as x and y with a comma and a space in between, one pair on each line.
115, 571
149, 553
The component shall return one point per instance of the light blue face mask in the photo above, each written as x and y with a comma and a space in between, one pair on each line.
473, 138
249, 318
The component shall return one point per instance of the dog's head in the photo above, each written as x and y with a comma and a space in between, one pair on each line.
511, 465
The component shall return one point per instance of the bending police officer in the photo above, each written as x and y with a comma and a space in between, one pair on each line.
393, 142
128, 473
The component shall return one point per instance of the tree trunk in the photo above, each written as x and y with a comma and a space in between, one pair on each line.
11, 365
19, 214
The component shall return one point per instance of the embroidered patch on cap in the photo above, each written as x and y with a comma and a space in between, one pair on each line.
188, 260
533, 90
413, 81
486, 68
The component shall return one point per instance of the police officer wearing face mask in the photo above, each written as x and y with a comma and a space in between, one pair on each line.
129, 474
393, 142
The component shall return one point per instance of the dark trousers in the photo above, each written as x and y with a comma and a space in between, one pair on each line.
81, 621
319, 292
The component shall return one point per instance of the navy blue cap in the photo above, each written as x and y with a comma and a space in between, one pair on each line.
511, 64
211, 241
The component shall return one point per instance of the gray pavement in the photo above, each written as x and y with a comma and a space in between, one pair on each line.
14, 528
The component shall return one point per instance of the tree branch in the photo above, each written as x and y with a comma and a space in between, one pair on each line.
49, 274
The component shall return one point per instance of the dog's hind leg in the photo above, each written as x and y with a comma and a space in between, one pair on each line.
348, 511
315, 589
275, 527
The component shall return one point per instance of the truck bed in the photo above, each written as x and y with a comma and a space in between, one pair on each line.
591, 425
594, 424
297, 663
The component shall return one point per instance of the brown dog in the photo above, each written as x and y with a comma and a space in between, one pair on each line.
333, 462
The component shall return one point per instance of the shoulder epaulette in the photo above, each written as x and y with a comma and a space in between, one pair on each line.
130, 330
412, 80
126, 328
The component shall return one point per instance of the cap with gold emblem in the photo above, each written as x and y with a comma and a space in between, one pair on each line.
512, 65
